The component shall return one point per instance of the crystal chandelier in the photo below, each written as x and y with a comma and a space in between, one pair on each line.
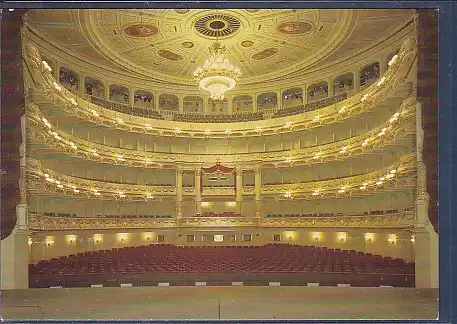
217, 75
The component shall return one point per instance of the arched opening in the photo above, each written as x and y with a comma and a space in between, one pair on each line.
242, 104
369, 74
317, 91
192, 104
69, 79
292, 97
343, 83
143, 99
218, 106
119, 94
267, 100
94, 87
168, 102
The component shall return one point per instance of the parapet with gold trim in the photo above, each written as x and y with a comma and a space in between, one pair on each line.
399, 125
47, 90
395, 220
43, 181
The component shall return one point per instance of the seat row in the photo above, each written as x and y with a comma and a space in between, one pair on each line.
273, 258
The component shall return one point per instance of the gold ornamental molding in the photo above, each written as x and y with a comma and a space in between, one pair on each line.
400, 124
45, 223
40, 179
397, 220
47, 91
398, 176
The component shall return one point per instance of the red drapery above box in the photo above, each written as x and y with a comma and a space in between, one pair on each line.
217, 168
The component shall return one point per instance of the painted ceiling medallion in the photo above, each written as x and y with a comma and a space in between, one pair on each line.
247, 43
182, 11
140, 30
187, 44
169, 55
266, 53
295, 27
217, 25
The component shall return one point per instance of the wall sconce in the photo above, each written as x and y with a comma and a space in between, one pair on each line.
289, 237
413, 239
122, 237
148, 238
392, 239
97, 241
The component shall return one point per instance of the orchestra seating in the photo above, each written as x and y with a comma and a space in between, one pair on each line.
219, 262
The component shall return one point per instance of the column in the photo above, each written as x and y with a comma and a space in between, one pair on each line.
230, 104
198, 193
278, 99
382, 65
178, 191
331, 92
131, 97
305, 94
254, 102
106, 90
181, 104
56, 71
355, 71
258, 190
156, 101
426, 239
205, 104
81, 89
15, 254
239, 189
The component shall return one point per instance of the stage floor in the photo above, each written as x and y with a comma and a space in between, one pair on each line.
220, 303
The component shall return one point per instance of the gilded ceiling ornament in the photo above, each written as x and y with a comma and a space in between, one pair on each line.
295, 27
169, 55
266, 53
140, 30
182, 11
247, 43
217, 25
187, 44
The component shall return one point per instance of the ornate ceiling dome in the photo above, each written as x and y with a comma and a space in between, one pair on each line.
167, 45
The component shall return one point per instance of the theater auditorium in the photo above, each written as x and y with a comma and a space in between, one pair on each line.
220, 164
